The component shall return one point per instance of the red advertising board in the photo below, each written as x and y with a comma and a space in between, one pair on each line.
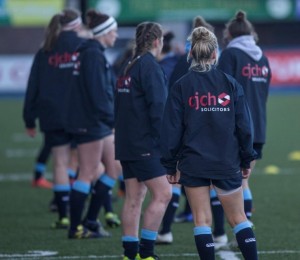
285, 66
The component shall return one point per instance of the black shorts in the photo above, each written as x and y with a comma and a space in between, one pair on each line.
57, 137
258, 149
227, 184
61, 137
143, 170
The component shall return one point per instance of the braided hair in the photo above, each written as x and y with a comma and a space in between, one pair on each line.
146, 33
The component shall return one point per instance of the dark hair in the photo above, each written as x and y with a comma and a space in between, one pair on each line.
238, 26
55, 26
168, 37
199, 21
145, 34
94, 18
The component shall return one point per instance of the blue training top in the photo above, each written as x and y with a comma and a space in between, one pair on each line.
139, 105
90, 101
254, 76
207, 127
49, 79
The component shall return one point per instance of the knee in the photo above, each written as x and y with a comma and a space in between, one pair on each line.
236, 219
164, 196
202, 219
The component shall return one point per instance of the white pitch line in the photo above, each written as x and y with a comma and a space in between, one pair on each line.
52, 255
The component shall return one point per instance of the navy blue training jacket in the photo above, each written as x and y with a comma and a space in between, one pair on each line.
90, 100
139, 105
48, 82
207, 127
255, 77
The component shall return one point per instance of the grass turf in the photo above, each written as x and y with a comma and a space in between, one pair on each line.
25, 219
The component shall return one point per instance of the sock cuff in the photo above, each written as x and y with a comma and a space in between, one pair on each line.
176, 190
41, 167
107, 180
61, 187
81, 186
71, 173
202, 230
247, 194
148, 234
213, 193
130, 239
241, 226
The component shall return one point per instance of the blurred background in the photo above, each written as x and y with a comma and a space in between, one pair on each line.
277, 22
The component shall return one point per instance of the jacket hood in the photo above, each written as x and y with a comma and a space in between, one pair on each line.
91, 43
248, 45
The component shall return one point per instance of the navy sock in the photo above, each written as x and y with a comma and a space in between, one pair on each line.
39, 170
187, 208
62, 197
170, 211
248, 203
108, 202
41, 160
146, 247
218, 214
72, 175
130, 246
204, 242
79, 194
246, 240
100, 194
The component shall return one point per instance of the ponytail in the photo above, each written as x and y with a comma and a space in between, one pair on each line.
52, 32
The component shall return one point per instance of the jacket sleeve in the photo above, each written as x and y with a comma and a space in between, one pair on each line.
30, 110
154, 85
244, 127
172, 130
94, 71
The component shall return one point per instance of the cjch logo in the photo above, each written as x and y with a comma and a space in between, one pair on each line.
223, 99
208, 100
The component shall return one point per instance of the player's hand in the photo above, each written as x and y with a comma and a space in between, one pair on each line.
31, 132
246, 173
173, 179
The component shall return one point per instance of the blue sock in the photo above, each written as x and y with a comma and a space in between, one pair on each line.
72, 174
218, 214
170, 211
204, 242
146, 247
79, 193
248, 202
39, 170
246, 240
131, 246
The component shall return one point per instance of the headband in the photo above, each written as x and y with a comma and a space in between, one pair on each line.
105, 27
73, 24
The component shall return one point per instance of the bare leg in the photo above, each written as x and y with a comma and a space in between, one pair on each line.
131, 212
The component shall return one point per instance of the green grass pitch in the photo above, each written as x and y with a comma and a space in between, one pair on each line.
25, 219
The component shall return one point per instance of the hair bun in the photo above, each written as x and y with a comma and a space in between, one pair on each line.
240, 16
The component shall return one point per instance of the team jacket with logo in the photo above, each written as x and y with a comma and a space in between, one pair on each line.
90, 100
139, 105
207, 127
255, 77
48, 81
